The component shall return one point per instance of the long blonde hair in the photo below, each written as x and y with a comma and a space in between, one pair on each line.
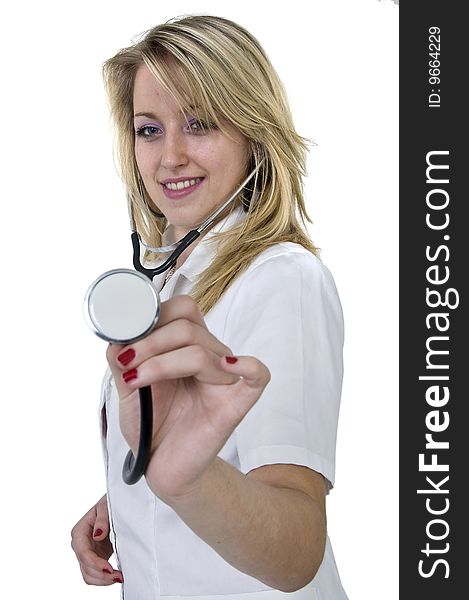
217, 66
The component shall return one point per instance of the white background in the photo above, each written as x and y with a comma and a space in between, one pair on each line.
64, 222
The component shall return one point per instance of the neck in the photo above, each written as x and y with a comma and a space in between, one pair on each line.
179, 233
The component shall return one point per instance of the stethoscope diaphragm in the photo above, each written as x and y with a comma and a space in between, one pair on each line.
121, 306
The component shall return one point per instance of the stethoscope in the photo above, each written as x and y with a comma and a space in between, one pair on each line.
122, 306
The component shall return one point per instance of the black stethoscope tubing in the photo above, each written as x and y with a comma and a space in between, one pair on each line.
185, 242
134, 467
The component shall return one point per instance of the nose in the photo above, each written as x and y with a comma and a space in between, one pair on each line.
174, 151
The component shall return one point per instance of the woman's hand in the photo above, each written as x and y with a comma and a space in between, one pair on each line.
90, 542
198, 396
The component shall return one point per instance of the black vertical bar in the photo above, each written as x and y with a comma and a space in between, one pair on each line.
434, 361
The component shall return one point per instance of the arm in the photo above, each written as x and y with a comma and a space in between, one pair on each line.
269, 523
275, 515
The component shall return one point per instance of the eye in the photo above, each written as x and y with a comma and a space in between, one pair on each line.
148, 131
198, 126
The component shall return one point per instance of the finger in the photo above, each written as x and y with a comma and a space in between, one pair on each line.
175, 334
95, 567
82, 531
252, 371
253, 377
101, 523
191, 361
107, 577
180, 307
82, 545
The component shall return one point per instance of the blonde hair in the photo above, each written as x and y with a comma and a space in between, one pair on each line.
221, 69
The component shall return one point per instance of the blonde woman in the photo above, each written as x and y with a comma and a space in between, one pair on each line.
245, 364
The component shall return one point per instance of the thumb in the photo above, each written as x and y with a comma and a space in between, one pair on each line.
254, 373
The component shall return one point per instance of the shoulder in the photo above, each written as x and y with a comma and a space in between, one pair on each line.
288, 264
282, 254
284, 282
284, 275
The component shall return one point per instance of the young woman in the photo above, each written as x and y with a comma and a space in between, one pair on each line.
245, 363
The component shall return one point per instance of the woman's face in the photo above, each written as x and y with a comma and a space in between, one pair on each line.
187, 172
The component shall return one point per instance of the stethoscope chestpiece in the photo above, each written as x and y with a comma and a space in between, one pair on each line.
121, 306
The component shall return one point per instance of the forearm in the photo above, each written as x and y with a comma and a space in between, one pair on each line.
276, 535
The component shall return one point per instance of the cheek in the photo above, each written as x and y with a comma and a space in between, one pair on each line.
237, 155
224, 158
144, 161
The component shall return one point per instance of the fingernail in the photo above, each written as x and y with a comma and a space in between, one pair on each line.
231, 359
98, 532
125, 357
129, 375
117, 580
107, 571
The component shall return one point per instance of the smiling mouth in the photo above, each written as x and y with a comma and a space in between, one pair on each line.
182, 185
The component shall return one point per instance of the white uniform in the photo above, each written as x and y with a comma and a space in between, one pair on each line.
284, 310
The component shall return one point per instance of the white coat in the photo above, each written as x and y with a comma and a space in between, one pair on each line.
284, 310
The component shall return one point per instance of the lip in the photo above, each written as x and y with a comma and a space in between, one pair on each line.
175, 194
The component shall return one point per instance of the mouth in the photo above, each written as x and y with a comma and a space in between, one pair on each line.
180, 184
177, 188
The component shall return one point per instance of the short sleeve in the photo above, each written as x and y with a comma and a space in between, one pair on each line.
286, 312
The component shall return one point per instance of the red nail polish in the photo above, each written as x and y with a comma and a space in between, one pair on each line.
117, 580
98, 532
231, 359
129, 375
125, 357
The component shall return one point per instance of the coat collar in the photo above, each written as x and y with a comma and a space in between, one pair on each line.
202, 255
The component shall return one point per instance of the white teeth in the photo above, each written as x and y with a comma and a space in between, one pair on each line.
180, 185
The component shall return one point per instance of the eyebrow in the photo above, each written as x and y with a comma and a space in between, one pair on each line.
145, 114
151, 115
